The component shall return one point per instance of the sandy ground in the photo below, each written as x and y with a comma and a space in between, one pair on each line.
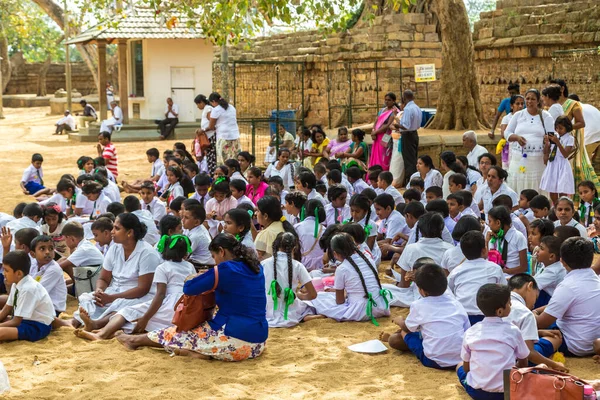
311, 360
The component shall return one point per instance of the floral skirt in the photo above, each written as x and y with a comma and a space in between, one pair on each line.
227, 149
206, 341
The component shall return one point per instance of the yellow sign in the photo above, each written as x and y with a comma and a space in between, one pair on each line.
425, 73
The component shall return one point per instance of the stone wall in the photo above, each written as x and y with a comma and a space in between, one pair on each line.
24, 79
342, 69
517, 43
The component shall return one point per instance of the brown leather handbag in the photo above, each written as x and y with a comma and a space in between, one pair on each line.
193, 311
544, 384
202, 140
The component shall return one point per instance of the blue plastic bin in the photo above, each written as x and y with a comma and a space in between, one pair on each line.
287, 118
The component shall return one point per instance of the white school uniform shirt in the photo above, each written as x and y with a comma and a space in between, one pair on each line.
303, 145
157, 208
425, 247
432, 178
112, 192
548, 278
152, 235
237, 175
285, 173
395, 194
32, 174
33, 301
487, 197
57, 198
22, 223
516, 243
316, 195
481, 187
312, 254
392, 225
125, 273
527, 213
6, 218
555, 111
452, 258
104, 249
466, 279
176, 190
82, 202
248, 241
204, 200
359, 185
51, 278
200, 239
474, 155
158, 168
100, 205
348, 186
330, 211
86, 254
111, 177
472, 178
522, 318
469, 211
490, 347
300, 277
442, 322
574, 304
446, 236
162, 182
518, 224
245, 199
582, 231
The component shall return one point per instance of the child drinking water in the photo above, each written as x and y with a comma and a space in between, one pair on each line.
358, 293
507, 247
283, 275
156, 313
309, 232
565, 211
54, 221
558, 176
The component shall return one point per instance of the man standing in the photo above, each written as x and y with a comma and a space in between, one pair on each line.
66, 123
106, 149
117, 118
89, 114
410, 122
168, 124
470, 142
504, 107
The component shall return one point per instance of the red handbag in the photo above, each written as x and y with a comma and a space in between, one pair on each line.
193, 311
544, 384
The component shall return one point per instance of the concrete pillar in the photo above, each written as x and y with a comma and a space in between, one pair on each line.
123, 84
102, 106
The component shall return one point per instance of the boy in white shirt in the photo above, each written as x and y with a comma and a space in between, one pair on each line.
550, 272
151, 203
523, 295
466, 279
306, 182
355, 177
192, 221
391, 224
384, 181
49, 273
434, 328
101, 229
491, 346
132, 205
28, 303
337, 210
158, 169
83, 252
574, 304
32, 181
238, 191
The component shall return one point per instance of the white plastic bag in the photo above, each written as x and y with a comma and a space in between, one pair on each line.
4, 384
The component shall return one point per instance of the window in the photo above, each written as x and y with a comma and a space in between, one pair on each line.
137, 69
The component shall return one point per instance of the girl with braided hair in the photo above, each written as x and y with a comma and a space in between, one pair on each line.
309, 231
283, 275
238, 222
358, 293
360, 212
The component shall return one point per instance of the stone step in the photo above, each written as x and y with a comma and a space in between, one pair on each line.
135, 133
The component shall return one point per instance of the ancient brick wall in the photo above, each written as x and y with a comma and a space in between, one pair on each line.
336, 67
24, 80
517, 43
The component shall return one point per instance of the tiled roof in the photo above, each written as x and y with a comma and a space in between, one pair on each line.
139, 24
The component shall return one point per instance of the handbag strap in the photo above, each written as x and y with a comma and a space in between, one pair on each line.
216, 269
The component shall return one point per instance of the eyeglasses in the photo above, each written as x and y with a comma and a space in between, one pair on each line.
485, 163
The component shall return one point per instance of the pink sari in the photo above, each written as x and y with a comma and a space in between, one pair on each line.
381, 153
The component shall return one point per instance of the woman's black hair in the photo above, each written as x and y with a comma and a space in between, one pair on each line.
335, 191
502, 174
178, 251
201, 99
285, 242
359, 133
465, 224
513, 98
81, 161
553, 92
241, 218
181, 146
130, 221
492, 158
430, 225
271, 207
247, 156
361, 201
214, 96
51, 209
534, 91
355, 230
450, 159
240, 252
313, 136
233, 165
563, 85
501, 214
168, 222
427, 161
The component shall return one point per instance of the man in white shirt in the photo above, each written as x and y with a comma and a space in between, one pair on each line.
116, 119
409, 124
66, 123
167, 125
469, 139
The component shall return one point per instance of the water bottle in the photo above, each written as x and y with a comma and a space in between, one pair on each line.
589, 393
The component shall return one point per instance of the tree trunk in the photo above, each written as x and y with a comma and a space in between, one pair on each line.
459, 105
5, 62
41, 89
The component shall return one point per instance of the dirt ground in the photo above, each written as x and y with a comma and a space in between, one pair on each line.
308, 361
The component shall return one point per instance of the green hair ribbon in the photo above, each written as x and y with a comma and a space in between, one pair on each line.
385, 293
238, 237
273, 293
219, 180
302, 212
316, 222
370, 304
251, 213
288, 297
368, 228
160, 246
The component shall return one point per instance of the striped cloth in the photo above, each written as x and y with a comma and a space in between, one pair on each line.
110, 154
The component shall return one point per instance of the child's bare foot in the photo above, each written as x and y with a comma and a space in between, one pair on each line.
310, 317
192, 354
88, 323
127, 341
389, 273
596, 359
384, 336
70, 323
80, 333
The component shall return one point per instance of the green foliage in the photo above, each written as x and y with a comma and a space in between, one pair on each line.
475, 7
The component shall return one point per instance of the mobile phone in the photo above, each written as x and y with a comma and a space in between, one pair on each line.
550, 133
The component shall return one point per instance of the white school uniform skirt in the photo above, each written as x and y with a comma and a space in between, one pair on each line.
354, 309
402, 297
296, 313
162, 319
86, 300
558, 177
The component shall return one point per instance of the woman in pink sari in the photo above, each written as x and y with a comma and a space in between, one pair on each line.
381, 152
339, 145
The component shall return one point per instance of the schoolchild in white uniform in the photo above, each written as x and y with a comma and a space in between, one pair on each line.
309, 232
491, 347
454, 257
83, 252
507, 247
283, 277
152, 203
574, 304
466, 279
355, 177
384, 181
49, 273
101, 229
237, 187
434, 328
337, 210
550, 272
360, 212
95, 196
282, 168
391, 224
193, 227
565, 210
358, 293
306, 183
239, 223
506, 201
